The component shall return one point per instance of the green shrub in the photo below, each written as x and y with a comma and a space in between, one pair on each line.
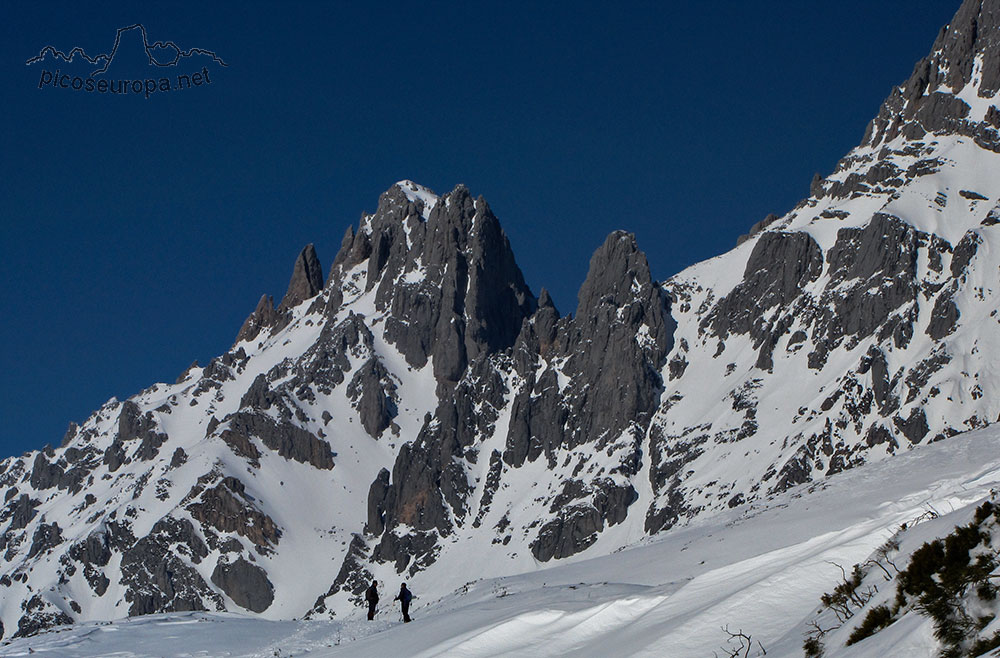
939, 575
936, 582
918, 576
942, 568
812, 647
877, 618
984, 512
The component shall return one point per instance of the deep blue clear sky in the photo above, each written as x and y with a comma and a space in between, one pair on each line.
137, 234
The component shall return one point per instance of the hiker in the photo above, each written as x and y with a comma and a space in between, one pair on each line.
404, 599
371, 595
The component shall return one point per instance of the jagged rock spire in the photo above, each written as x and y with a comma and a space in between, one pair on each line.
617, 268
444, 272
263, 316
618, 302
966, 51
975, 30
307, 279
306, 282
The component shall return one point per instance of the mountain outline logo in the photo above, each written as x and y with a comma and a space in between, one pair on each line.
103, 60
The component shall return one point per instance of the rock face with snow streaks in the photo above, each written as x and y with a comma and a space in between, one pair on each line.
840, 342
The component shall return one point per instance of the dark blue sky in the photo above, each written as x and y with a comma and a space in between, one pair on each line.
137, 234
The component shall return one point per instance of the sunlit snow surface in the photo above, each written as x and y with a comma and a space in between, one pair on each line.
760, 569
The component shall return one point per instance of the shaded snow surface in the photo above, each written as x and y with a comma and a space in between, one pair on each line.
760, 569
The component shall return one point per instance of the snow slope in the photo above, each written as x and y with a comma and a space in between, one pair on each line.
759, 569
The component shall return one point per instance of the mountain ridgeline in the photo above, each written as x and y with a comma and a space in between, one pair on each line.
419, 414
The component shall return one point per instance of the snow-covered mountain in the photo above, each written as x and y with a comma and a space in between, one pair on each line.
419, 414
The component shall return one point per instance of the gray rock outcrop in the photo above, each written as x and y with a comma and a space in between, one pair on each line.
246, 584
306, 281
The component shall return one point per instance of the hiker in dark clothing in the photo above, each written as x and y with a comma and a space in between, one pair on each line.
404, 599
371, 595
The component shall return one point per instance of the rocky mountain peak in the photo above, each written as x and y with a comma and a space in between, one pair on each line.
618, 273
263, 316
863, 285
306, 281
545, 299
941, 95
443, 272
393, 204
417, 193
973, 32
621, 311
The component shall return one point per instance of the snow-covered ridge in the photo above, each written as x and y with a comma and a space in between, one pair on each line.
415, 192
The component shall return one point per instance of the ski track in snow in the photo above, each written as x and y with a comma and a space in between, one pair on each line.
760, 569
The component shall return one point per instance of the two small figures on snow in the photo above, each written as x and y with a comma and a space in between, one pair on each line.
404, 597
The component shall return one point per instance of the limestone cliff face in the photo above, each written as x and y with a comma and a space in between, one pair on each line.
307, 280
839, 342
609, 355
963, 66
444, 274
